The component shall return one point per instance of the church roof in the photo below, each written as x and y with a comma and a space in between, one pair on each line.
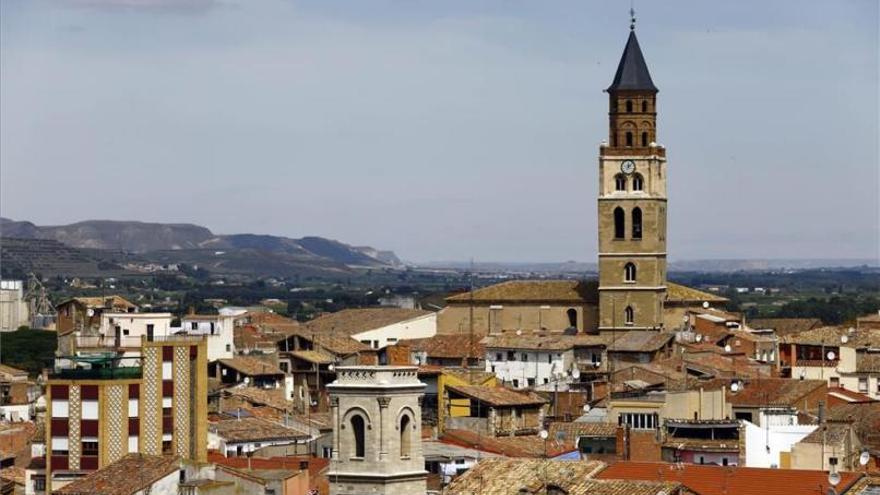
632, 72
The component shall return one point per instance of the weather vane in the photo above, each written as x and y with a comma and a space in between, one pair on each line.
632, 18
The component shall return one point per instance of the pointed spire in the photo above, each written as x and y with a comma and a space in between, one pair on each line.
632, 72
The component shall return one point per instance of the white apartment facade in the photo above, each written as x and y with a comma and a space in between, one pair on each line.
220, 330
530, 362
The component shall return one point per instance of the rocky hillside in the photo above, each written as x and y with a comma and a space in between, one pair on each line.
189, 240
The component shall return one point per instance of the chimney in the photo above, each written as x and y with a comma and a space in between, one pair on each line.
821, 412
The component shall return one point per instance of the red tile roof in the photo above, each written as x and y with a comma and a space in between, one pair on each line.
718, 480
518, 446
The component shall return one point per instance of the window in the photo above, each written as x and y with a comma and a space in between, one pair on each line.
644, 139
497, 356
515, 383
405, 436
358, 432
549, 358
629, 272
90, 448
194, 325
283, 366
629, 139
638, 421
644, 107
629, 315
546, 381
620, 182
39, 483
629, 106
166, 447
835, 381
572, 317
525, 358
638, 182
531, 382
228, 347
511, 356
619, 223
637, 223
863, 385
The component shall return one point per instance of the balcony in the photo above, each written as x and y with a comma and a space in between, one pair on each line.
121, 373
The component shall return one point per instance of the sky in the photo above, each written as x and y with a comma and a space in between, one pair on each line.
443, 130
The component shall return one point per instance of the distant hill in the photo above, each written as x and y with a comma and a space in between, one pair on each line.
92, 241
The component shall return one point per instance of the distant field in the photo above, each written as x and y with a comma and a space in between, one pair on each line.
30, 350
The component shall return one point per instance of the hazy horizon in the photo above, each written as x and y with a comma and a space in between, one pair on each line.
442, 131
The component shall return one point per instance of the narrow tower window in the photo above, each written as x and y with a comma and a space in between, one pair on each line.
638, 182
620, 182
405, 435
629, 315
357, 431
644, 139
572, 317
619, 223
644, 107
629, 138
637, 223
629, 272
629, 106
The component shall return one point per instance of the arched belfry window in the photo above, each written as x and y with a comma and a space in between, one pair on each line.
645, 106
629, 315
637, 223
638, 182
629, 106
629, 272
358, 432
405, 435
620, 182
619, 223
629, 138
644, 139
572, 317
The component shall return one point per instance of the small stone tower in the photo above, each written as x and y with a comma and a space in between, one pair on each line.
377, 417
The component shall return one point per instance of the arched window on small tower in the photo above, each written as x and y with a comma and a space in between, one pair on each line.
619, 223
645, 106
644, 140
629, 139
358, 431
629, 106
405, 435
637, 223
629, 315
620, 182
572, 317
638, 182
629, 272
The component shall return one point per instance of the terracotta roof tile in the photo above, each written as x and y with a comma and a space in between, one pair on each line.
774, 391
639, 341
680, 293
353, 321
560, 291
253, 430
785, 326
516, 446
718, 480
447, 346
574, 429
117, 479
497, 396
251, 366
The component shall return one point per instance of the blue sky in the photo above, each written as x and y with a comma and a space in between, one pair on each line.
443, 129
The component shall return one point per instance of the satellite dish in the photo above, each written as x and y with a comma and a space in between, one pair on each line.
834, 478
543, 434
331, 367
519, 332
587, 409
575, 373
90, 312
803, 374
734, 387
850, 330
831, 355
246, 380
727, 348
864, 458
699, 338
706, 304
844, 339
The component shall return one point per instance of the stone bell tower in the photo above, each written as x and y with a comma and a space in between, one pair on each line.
632, 201
377, 418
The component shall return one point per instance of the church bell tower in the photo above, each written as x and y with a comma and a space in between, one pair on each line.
632, 201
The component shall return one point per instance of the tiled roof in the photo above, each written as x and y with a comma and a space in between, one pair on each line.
447, 346
131, 474
517, 446
353, 321
833, 335
272, 322
251, 366
785, 326
639, 341
869, 485
682, 294
471, 376
315, 466
15, 372
848, 395
829, 433
702, 445
727, 480
867, 362
318, 357
497, 396
541, 340
341, 345
101, 302
258, 396
558, 291
774, 391
254, 430
572, 430
866, 421
14, 474
535, 476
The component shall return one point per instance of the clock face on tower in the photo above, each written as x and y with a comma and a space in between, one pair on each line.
627, 167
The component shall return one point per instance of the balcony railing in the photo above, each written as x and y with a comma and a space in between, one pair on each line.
110, 342
120, 373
